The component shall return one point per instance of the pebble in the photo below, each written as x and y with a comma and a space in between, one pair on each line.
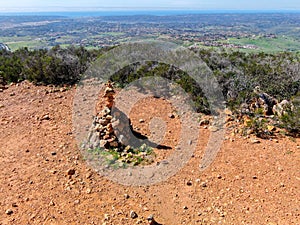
185, 207
204, 122
53, 171
141, 120
46, 117
171, 115
9, 211
203, 184
89, 191
89, 175
126, 196
70, 172
213, 129
133, 214
53, 153
254, 141
51, 203
189, 183
106, 216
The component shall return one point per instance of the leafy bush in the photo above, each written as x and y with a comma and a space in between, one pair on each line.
55, 66
290, 120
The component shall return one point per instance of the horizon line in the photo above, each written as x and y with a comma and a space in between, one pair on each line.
99, 9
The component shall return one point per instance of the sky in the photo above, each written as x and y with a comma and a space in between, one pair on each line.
82, 5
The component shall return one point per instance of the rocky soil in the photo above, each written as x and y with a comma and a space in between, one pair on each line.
45, 180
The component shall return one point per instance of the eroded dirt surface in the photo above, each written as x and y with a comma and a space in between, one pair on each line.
247, 183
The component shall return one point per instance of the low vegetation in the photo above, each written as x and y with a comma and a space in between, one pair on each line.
238, 73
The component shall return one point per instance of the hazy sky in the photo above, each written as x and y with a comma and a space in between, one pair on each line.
54, 5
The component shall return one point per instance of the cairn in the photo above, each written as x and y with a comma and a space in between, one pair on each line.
105, 128
102, 133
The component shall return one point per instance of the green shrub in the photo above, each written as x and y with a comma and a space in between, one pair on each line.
290, 120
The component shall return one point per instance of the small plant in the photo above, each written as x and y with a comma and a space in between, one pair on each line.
122, 159
290, 119
257, 125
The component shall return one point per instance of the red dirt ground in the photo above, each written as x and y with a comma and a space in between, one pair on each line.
246, 184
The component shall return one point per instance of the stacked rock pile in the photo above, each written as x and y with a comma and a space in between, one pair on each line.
102, 133
105, 127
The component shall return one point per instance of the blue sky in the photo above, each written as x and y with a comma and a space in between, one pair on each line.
62, 5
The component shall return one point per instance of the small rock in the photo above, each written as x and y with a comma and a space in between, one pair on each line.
103, 143
89, 191
9, 211
51, 203
53, 171
271, 128
254, 177
114, 144
254, 141
152, 221
106, 217
76, 202
189, 183
213, 128
126, 196
70, 172
185, 207
53, 153
204, 122
171, 115
203, 184
250, 131
141, 120
219, 176
46, 117
14, 205
133, 214
88, 176
227, 111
